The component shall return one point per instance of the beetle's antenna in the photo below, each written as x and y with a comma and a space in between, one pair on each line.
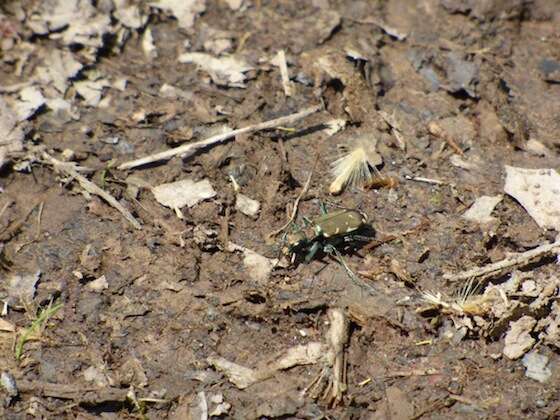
296, 203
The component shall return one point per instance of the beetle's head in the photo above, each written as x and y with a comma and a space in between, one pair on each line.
293, 241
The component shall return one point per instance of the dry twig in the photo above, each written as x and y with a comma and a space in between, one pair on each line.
296, 206
509, 262
280, 61
90, 187
437, 131
190, 148
425, 180
82, 394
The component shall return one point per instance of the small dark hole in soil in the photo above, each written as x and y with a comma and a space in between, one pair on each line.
336, 85
106, 407
255, 298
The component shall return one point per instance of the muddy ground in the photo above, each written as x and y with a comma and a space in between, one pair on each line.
137, 343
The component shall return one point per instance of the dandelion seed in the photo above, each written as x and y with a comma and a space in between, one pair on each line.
354, 168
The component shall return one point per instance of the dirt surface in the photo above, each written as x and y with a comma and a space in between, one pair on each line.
452, 90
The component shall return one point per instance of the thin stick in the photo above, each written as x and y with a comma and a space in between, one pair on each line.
8, 204
425, 180
437, 131
296, 205
190, 148
280, 61
513, 261
39, 217
91, 187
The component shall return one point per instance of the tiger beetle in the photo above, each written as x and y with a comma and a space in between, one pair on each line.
325, 233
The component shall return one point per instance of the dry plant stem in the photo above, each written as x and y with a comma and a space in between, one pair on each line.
91, 187
513, 261
280, 61
413, 372
337, 339
425, 180
75, 392
39, 218
6, 206
190, 148
436, 131
295, 208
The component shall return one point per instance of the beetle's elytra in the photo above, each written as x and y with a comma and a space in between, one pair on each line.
325, 230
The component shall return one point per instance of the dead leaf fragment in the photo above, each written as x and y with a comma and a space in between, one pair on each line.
79, 22
129, 15
537, 148
246, 205
186, 192
132, 373
258, 266
31, 99
148, 46
243, 377
224, 71
537, 367
9, 385
96, 376
518, 339
10, 133
91, 90
172, 92
240, 376
185, 11
482, 208
220, 409
234, 4
98, 284
63, 109
538, 191
59, 66
6, 326
21, 287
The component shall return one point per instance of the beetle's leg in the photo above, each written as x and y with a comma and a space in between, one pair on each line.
361, 238
312, 251
323, 208
330, 249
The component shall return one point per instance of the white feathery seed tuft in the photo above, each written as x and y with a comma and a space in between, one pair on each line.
354, 168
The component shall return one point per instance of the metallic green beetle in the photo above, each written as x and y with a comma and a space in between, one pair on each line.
325, 232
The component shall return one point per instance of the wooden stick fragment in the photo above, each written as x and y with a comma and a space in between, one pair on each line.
512, 261
295, 208
435, 129
77, 392
90, 187
190, 148
425, 180
280, 61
